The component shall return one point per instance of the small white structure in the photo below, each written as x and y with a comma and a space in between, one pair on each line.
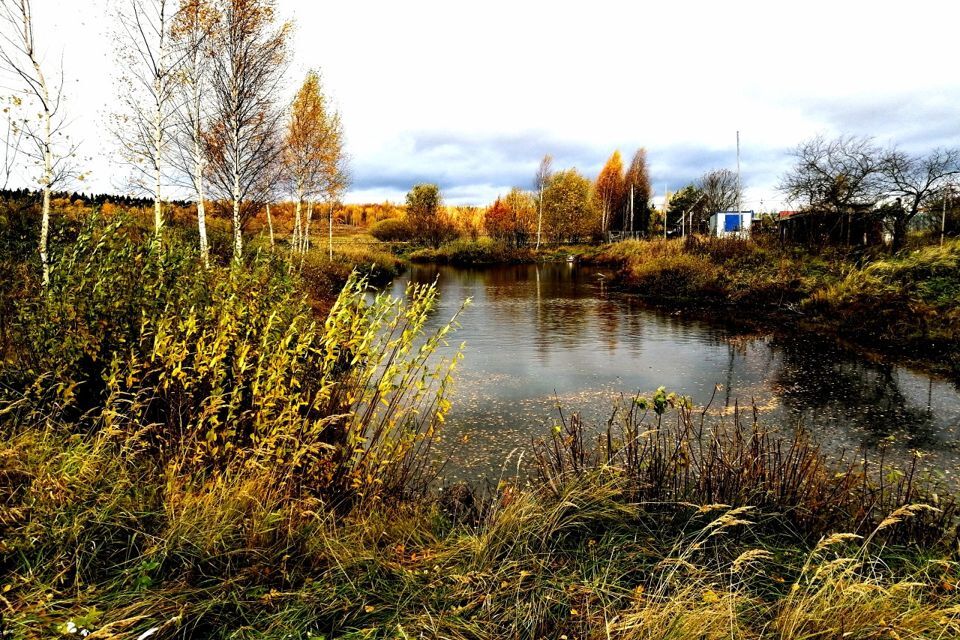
726, 224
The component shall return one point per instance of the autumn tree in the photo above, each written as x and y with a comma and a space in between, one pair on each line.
915, 181
244, 140
544, 172
609, 191
512, 218
470, 221
313, 155
192, 35
496, 220
522, 205
426, 215
721, 190
48, 145
637, 193
569, 210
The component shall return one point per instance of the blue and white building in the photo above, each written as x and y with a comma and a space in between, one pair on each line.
731, 224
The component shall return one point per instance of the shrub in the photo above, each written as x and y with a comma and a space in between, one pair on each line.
469, 252
392, 230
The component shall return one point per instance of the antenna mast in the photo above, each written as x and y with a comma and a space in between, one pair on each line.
739, 204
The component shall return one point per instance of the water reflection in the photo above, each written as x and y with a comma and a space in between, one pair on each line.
539, 334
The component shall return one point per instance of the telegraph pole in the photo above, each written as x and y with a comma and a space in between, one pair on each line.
664, 210
739, 204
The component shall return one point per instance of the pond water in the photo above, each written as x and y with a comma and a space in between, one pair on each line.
539, 334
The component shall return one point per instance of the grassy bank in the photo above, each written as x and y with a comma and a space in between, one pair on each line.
904, 304
192, 453
324, 278
466, 252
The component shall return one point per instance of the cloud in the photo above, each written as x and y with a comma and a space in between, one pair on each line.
470, 168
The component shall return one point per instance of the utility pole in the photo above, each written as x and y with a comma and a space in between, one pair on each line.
664, 210
690, 213
739, 204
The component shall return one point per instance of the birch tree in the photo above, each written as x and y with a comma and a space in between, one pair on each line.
244, 139
338, 180
148, 89
314, 159
303, 156
192, 33
637, 190
608, 191
47, 143
544, 172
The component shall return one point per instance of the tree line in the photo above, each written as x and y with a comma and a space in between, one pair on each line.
198, 114
562, 206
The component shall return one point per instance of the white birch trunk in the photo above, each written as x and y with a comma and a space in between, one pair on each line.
45, 211
235, 135
540, 219
306, 231
297, 223
157, 160
305, 243
47, 175
330, 232
237, 231
160, 96
270, 225
198, 162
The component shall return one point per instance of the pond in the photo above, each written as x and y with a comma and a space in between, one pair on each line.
540, 334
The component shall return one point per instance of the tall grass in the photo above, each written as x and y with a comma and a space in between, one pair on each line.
667, 454
911, 296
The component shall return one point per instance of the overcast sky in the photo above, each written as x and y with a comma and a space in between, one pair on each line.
471, 95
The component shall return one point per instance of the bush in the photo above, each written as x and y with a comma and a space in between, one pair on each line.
392, 230
662, 269
467, 252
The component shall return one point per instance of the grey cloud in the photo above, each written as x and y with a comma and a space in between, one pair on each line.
916, 121
464, 165
473, 169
